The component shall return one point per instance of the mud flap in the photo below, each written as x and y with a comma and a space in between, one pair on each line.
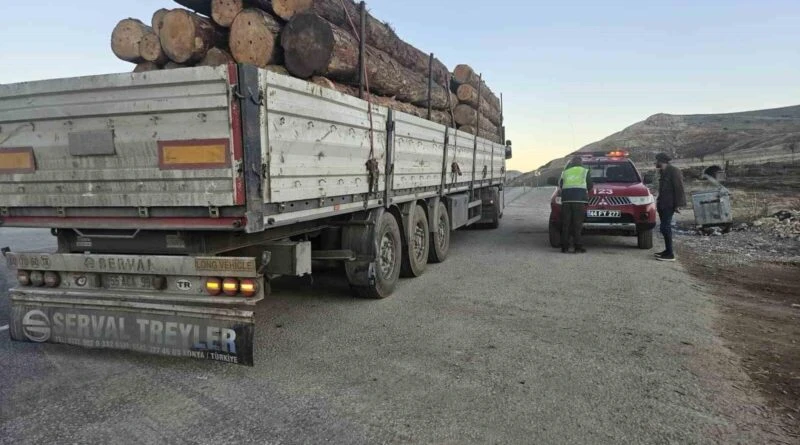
224, 335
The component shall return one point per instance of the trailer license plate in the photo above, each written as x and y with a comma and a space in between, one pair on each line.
604, 213
128, 282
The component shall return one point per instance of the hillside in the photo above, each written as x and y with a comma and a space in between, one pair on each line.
700, 136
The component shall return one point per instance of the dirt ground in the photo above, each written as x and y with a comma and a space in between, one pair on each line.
756, 276
760, 307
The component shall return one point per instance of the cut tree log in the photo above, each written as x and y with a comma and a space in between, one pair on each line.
199, 6
254, 38
151, 51
225, 11
186, 37
464, 74
216, 57
314, 46
378, 34
174, 65
279, 69
145, 67
466, 115
469, 95
437, 116
158, 20
484, 134
126, 37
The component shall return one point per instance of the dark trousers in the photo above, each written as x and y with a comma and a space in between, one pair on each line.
572, 216
665, 216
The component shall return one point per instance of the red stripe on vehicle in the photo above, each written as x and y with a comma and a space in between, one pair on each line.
236, 130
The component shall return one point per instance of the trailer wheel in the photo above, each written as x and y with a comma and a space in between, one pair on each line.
495, 222
555, 236
415, 252
440, 241
384, 272
645, 239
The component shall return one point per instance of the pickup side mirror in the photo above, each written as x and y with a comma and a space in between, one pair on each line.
649, 178
552, 181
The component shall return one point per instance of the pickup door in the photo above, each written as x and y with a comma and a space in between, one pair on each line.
155, 148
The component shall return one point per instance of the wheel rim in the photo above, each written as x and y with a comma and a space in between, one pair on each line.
419, 242
387, 254
441, 232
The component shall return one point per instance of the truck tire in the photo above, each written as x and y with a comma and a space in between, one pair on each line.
440, 240
388, 257
555, 236
415, 250
495, 222
645, 239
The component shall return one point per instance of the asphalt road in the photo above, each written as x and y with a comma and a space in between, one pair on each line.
508, 341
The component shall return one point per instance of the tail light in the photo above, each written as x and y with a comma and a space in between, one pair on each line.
52, 279
248, 287
213, 286
230, 286
37, 278
24, 278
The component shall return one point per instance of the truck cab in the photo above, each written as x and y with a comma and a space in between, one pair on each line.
620, 204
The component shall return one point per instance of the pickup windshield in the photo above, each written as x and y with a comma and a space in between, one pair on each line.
621, 172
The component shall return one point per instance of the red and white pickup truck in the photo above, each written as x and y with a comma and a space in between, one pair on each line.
620, 203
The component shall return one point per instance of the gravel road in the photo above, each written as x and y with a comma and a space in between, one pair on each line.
508, 341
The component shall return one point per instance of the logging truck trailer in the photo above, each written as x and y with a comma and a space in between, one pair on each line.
177, 195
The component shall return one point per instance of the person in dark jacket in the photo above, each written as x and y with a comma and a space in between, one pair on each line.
671, 198
575, 183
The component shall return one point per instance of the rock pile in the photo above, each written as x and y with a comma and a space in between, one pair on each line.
783, 224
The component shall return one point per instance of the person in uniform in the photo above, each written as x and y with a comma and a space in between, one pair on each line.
575, 184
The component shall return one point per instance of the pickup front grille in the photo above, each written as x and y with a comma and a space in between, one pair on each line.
609, 200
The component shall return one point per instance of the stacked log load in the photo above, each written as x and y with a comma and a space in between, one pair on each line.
316, 40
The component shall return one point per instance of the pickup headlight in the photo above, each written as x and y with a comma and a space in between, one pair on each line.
641, 200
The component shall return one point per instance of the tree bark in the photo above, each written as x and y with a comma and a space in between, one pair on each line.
484, 134
199, 6
279, 69
464, 74
145, 67
174, 65
225, 11
187, 37
466, 115
378, 34
469, 95
158, 20
151, 51
437, 116
216, 57
126, 37
313, 46
254, 38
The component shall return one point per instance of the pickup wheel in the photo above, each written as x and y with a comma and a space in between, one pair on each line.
384, 272
415, 252
645, 239
555, 236
440, 241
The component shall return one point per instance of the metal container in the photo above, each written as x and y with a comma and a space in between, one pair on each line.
712, 207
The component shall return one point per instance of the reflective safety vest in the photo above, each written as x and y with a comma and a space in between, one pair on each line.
574, 178
573, 185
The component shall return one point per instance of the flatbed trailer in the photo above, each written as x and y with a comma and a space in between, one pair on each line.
177, 195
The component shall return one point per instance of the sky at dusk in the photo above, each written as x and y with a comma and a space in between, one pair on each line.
572, 72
